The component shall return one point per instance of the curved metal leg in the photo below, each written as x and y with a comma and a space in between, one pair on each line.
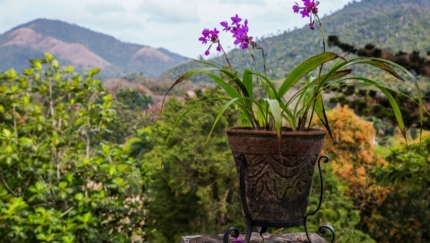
262, 230
234, 232
248, 233
248, 222
323, 228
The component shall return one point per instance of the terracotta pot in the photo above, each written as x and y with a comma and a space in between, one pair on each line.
277, 174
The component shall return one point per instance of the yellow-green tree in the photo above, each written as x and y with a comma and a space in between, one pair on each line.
352, 153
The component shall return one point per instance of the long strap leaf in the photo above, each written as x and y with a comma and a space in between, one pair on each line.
186, 75
304, 68
186, 112
276, 111
393, 103
223, 109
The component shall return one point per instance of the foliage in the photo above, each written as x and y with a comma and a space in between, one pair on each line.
411, 61
336, 209
134, 99
192, 189
404, 215
140, 144
369, 103
59, 181
131, 107
126, 123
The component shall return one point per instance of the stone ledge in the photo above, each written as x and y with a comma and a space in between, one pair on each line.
255, 238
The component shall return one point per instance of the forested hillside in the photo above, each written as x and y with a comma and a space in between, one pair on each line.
399, 25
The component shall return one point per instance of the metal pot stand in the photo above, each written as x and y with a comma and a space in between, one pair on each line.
263, 225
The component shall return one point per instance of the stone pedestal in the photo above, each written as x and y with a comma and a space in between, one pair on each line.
268, 238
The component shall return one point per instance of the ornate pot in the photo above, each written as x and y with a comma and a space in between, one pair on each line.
275, 173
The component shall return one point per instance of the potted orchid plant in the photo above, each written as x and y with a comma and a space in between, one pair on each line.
273, 111
276, 149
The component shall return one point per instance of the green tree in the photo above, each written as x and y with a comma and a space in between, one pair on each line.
193, 187
59, 181
336, 210
404, 216
134, 99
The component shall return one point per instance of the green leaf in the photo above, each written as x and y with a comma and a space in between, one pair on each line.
230, 90
237, 81
382, 66
276, 111
6, 133
186, 75
303, 68
185, 113
11, 73
69, 69
320, 111
37, 65
79, 196
223, 109
55, 64
26, 142
28, 71
49, 57
393, 103
93, 71
262, 112
62, 185
247, 82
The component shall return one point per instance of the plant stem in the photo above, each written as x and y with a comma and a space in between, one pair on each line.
66, 212
320, 70
256, 70
6, 185
264, 60
322, 38
225, 55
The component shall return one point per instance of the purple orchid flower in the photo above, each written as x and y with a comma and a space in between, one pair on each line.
212, 36
310, 7
236, 20
238, 239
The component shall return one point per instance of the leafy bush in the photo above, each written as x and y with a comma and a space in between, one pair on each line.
59, 181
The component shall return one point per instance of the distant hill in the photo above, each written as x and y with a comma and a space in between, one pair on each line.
395, 25
82, 48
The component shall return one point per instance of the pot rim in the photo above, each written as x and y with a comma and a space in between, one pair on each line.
286, 131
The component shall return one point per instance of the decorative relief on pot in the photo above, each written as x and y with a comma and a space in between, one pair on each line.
278, 171
277, 187
271, 176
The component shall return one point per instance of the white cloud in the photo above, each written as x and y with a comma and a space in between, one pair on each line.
103, 8
173, 24
252, 2
177, 11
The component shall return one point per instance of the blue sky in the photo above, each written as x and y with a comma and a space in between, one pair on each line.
172, 24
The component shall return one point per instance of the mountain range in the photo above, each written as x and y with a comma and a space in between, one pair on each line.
394, 25
82, 48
